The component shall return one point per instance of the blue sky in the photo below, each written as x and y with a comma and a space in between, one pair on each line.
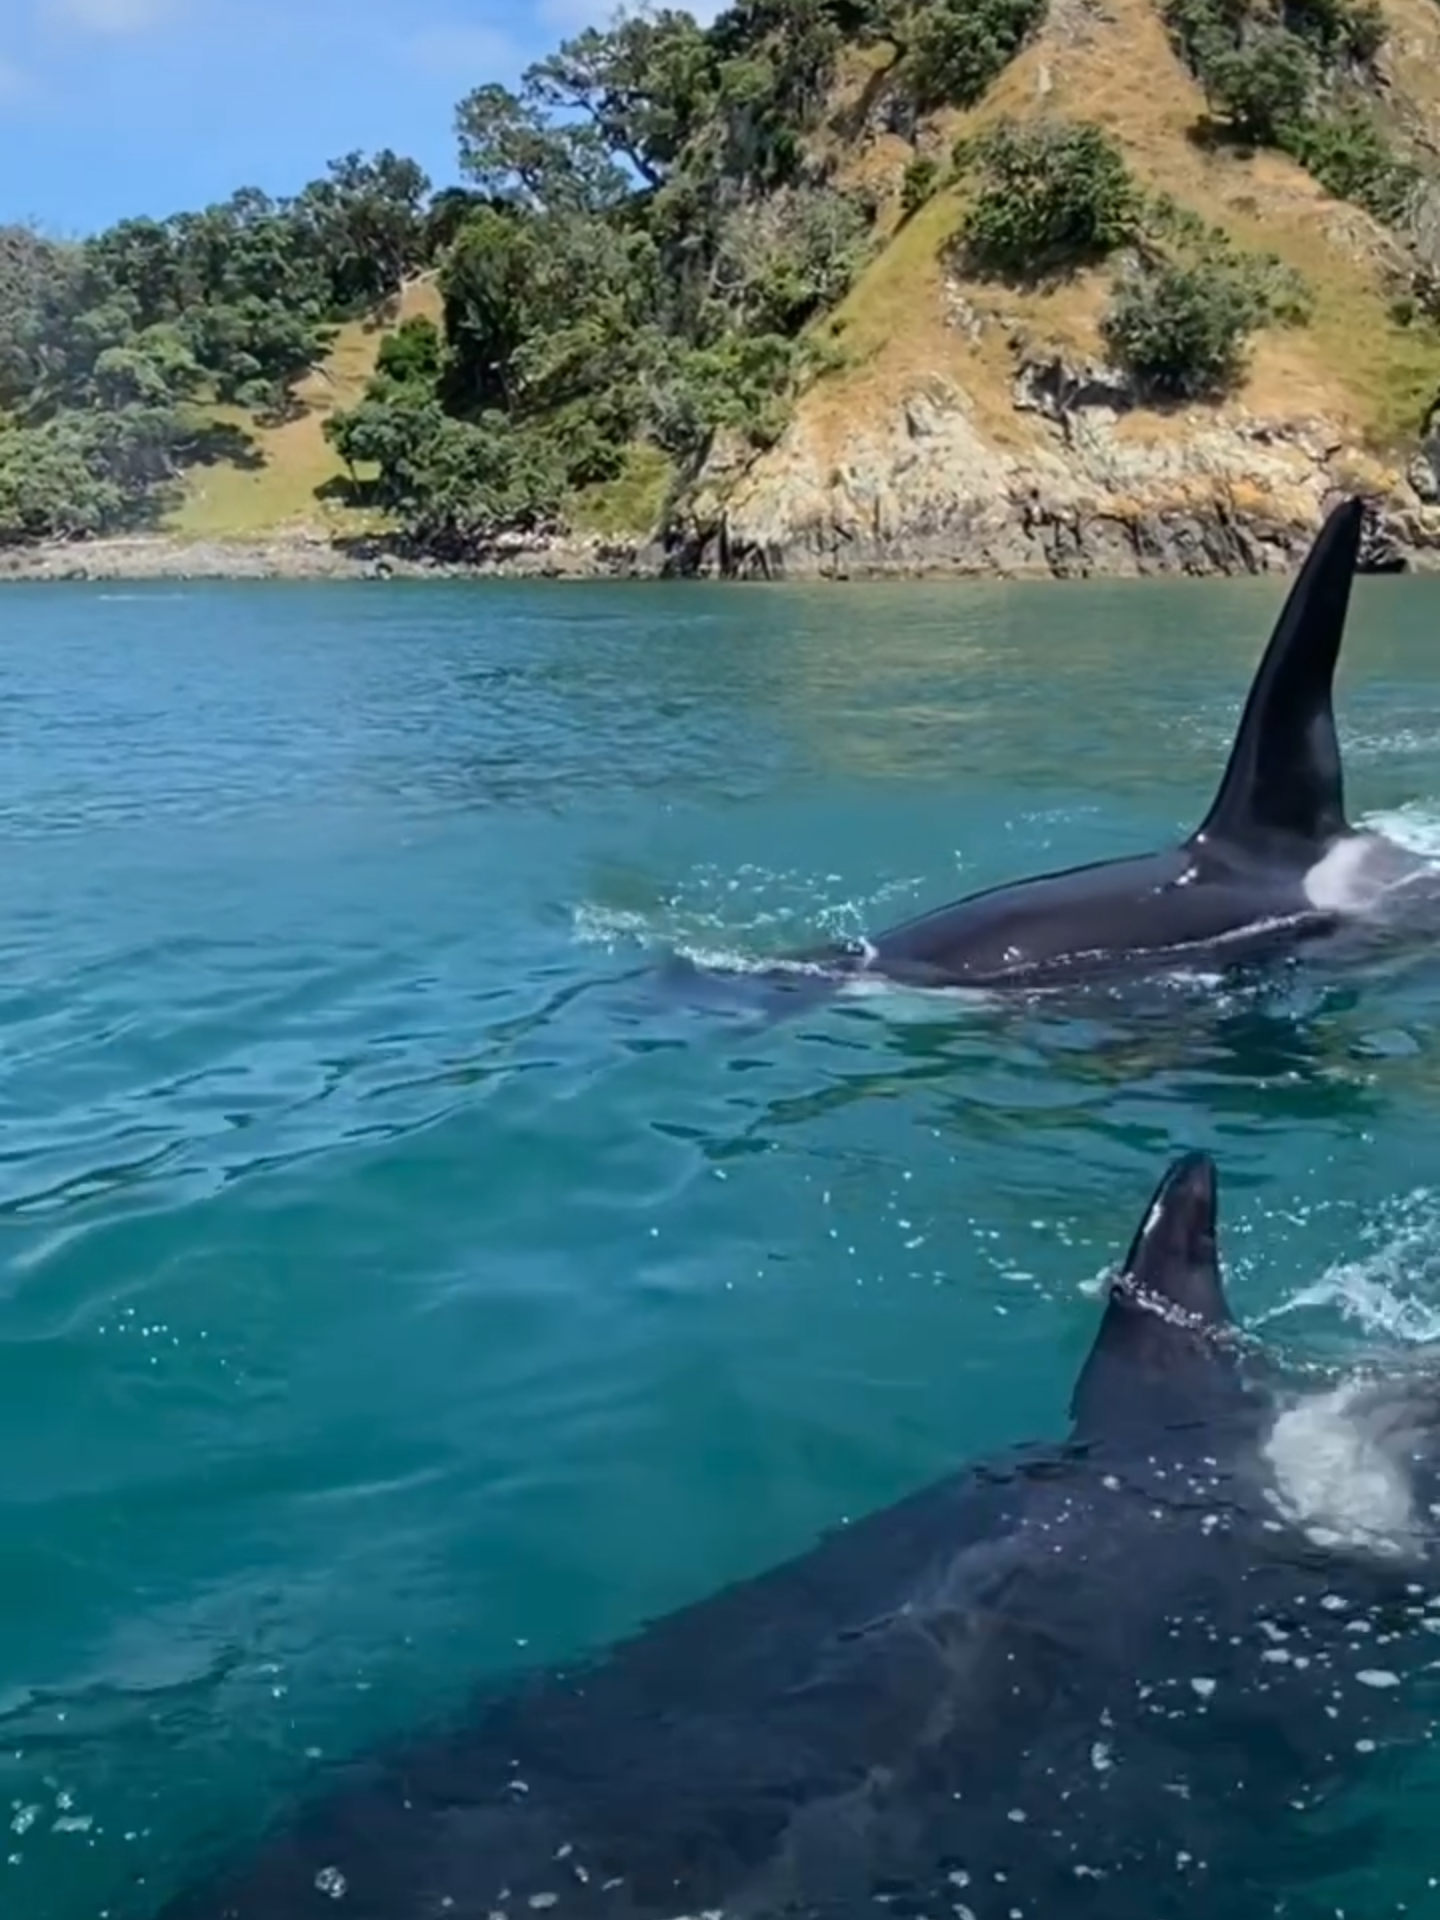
113, 107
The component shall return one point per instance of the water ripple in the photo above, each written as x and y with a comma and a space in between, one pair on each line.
389, 1278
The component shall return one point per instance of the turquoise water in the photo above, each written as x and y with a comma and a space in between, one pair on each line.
393, 1289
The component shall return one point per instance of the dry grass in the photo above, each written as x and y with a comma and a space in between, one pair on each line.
1413, 52
1110, 61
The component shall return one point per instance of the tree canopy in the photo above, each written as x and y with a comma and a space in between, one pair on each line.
115, 351
636, 242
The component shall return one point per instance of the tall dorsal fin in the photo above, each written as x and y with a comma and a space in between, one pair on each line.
1160, 1356
1284, 778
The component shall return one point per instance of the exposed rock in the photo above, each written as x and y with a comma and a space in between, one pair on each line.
1093, 483
959, 313
896, 114
1057, 388
1423, 472
1073, 22
1380, 550
312, 556
885, 110
1422, 477
1104, 488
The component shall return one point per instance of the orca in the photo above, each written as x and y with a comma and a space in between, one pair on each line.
1274, 866
1133, 1673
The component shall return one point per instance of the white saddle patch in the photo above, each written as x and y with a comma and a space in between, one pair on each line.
1356, 872
1340, 1477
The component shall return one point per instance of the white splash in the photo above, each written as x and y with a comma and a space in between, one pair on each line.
1415, 826
1334, 1476
609, 926
1391, 1292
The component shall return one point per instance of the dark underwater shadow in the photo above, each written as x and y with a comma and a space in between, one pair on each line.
1304, 1041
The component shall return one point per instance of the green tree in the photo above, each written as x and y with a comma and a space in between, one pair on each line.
411, 356
1181, 328
47, 488
155, 368
139, 261
392, 432
40, 287
960, 46
1265, 87
1050, 193
367, 221
791, 255
511, 151
645, 86
1350, 157
1341, 29
921, 178
488, 284
446, 214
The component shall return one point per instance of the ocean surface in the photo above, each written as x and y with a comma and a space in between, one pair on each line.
394, 1288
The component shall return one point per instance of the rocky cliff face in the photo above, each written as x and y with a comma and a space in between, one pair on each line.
1097, 486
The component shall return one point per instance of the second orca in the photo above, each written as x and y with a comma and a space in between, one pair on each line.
1134, 1673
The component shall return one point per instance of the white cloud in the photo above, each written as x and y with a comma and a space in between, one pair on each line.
573, 16
467, 55
112, 16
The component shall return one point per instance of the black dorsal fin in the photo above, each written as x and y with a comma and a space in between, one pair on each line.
1284, 779
1161, 1354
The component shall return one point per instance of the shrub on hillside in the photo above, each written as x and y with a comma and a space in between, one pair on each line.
1181, 328
1263, 88
922, 177
1342, 29
1312, 34
1200, 30
1268, 92
1349, 156
411, 353
1050, 193
744, 383
786, 257
960, 46
1269, 77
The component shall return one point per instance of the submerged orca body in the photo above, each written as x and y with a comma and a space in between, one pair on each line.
1109, 1678
1274, 865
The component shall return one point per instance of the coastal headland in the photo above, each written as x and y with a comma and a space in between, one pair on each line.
840, 289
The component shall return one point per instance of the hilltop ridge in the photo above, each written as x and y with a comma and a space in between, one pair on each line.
831, 287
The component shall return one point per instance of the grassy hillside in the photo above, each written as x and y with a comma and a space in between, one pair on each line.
283, 483
1352, 364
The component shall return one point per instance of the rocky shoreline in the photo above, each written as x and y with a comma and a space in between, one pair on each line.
1205, 541
1098, 487
305, 556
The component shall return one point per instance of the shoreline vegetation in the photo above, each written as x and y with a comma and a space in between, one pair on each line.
827, 289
